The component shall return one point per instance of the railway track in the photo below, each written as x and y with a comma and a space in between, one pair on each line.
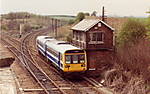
79, 88
45, 82
47, 76
58, 83
64, 84
41, 77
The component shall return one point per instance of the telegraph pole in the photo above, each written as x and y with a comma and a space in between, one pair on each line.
55, 28
52, 32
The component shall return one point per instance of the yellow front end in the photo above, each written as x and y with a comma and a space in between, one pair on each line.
75, 62
75, 67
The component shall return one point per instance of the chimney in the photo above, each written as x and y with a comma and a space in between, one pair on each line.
103, 14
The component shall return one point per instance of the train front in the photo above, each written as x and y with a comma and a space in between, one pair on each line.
75, 61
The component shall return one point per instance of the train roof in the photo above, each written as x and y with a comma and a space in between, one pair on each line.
59, 46
44, 38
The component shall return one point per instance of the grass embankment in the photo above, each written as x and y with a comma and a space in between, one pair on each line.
130, 71
131, 64
64, 33
11, 22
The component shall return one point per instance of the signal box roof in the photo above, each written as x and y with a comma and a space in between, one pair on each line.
86, 24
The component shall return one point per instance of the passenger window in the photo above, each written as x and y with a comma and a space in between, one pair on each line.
68, 59
81, 58
75, 59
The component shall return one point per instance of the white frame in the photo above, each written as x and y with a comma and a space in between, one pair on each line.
96, 42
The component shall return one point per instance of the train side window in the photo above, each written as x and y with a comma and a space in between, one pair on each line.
52, 52
75, 59
68, 59
82, 58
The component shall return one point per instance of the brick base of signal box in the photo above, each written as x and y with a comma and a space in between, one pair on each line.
98, 60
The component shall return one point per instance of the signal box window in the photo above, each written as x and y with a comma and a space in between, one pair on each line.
97, 37
77, 36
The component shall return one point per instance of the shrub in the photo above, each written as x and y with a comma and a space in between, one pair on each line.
4, 27
71, 22
87, 14
148, 23
132, 31
69, 37
80, 16
136, 58
64, 33
94, 13
131, 69
13, 25
148, 27
27, 27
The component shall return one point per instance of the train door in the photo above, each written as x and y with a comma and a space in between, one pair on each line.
59, 59
45, 48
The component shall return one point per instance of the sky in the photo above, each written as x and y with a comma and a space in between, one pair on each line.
135, 8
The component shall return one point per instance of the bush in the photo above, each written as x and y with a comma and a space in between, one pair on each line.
94, 13
80, 16
64, 33
131, 69
27, 27
136, 58
4, 27
148, 27
132, 31
13, 25
71, 22
87, 14
69, 37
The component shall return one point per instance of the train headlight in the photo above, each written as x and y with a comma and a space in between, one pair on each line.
67, 66
83, 65
81, 61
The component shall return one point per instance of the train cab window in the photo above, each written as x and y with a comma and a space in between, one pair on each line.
68, 59
75, 59
81, 58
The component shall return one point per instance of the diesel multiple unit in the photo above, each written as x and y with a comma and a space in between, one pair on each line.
63, 55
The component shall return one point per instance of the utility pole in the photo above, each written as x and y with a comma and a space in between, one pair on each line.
52, 32
55, 28
58, 23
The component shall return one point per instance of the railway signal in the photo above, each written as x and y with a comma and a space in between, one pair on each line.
20, 31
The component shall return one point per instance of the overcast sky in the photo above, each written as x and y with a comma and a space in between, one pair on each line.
72, 7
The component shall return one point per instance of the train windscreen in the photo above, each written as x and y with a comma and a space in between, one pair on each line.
75, 51
75, 59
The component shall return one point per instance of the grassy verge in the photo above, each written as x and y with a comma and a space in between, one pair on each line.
64, 33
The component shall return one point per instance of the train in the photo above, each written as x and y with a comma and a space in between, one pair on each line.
62, 54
